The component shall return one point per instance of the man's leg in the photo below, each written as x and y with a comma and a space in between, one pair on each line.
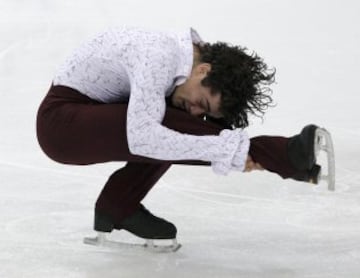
125, 188
74, 129
271, 153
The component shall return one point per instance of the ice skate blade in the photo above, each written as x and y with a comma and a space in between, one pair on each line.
149, 245
323, 142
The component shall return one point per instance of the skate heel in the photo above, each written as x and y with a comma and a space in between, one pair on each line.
315, 174
103, 223
99, 240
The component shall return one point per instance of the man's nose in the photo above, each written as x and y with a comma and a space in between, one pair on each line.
196, 110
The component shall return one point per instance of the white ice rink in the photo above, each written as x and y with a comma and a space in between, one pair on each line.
244, 225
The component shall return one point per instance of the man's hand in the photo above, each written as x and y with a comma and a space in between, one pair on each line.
251, 165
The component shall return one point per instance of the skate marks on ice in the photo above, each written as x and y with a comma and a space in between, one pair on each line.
41, 230
299, 230
324, 213
64, 231
310, 207
217, 230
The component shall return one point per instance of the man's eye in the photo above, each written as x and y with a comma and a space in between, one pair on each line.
203, 105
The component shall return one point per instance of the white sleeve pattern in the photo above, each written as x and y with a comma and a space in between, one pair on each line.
147, 137
133, 63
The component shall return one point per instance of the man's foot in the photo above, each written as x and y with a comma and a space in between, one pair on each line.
303, 150
141, 223
312, 176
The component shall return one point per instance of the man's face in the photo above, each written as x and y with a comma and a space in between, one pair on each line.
195, 98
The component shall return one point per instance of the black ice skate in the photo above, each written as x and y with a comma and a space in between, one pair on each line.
142, 224
304, 149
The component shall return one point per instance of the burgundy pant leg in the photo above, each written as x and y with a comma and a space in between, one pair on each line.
125, 188
75, 129
271, 153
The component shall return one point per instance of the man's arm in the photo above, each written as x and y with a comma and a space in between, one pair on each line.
148, 137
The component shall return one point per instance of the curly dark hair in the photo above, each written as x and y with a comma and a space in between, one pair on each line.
242, 79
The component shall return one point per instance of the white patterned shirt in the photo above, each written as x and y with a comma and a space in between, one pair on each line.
143, 67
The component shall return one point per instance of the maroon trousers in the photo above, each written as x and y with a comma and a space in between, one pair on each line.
74, 129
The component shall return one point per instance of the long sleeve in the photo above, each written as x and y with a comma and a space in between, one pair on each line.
141, 66
147, 137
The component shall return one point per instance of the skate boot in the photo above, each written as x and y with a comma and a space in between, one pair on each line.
303, 151
311, 176
142, 224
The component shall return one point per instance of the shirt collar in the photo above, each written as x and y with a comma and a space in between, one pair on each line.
195, 37
186, 41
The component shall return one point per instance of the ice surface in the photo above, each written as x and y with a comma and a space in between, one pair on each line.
244, 225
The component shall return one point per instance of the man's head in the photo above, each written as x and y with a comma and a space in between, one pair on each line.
226, 82
196, 98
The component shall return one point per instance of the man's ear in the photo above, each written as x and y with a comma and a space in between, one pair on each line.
203, 68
